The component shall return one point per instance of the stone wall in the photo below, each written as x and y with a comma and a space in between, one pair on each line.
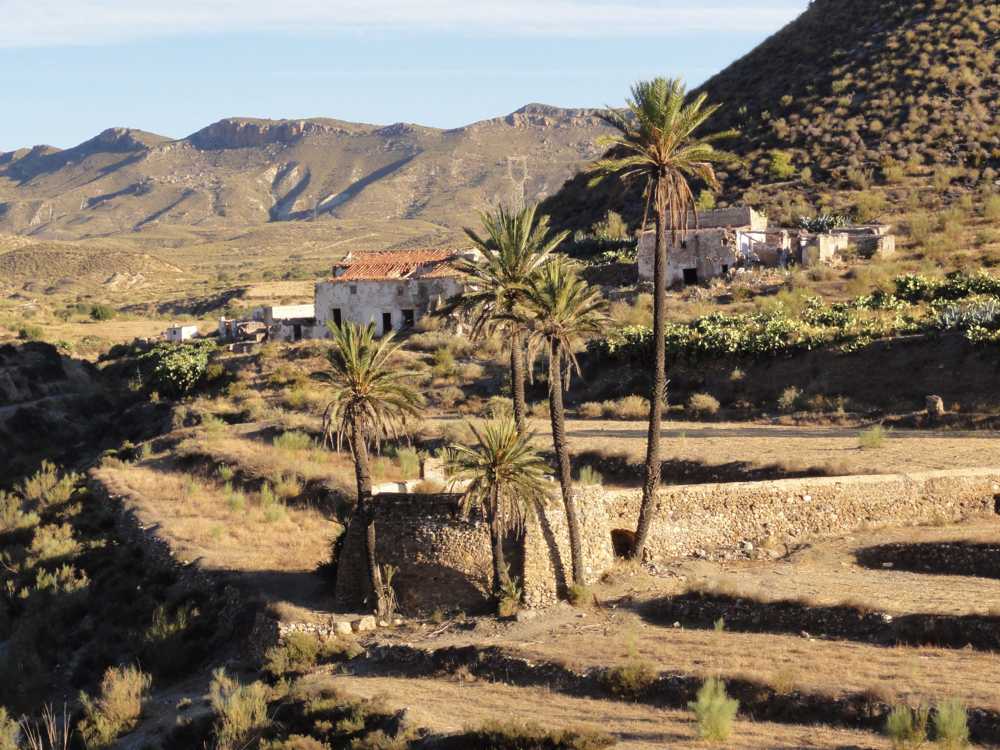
444, 559
692, 519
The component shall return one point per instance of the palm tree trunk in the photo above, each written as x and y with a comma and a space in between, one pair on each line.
558, 416
517, 376
364, 512
651, 482
501, 576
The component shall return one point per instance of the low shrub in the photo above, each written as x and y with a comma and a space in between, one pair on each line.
518, 736
872, 438
951, 724
590, 410
101, 312
297, 653
589, 476
703, 405
116, 710
240, 710
30, 332
10, 731
907, 727
579, 595
409, 462
789, 399
630, 407
540, 410
714, 710
293, 441
629, 681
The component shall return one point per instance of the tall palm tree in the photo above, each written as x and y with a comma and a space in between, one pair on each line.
371, 400
505, 477
563, 309
657, 143
513, 246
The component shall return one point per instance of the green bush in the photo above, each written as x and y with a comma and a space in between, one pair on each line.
714, 710
101, 312
293, 440
297, 653
907, 727
240, 710
176, 369
872, 438
780, 165
409, 462
629, 681
116, 711
30, 332
951, 724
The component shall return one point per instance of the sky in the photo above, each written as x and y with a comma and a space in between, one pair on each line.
71, 68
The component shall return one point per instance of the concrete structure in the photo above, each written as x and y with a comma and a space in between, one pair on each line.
393, 290
180, 333
444, 558
716, 242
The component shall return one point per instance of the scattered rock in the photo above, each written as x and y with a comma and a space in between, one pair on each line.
342, 627
746, 547
364, 624
526, 615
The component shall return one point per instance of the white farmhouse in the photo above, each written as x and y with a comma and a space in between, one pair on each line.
178, 334
392, 289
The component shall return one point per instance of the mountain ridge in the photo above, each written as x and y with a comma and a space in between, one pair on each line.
242, 171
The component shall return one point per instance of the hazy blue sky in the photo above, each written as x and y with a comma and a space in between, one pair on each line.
70, 68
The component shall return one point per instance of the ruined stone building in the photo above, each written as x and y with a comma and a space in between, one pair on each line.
393, 290
720, 240
733, 238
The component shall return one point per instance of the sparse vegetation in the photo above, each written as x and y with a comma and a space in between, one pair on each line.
116, 710
714, 711
907, 727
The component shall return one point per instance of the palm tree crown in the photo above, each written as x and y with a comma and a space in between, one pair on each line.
657, 142
367, 385
504, 472
514, 246
562, 309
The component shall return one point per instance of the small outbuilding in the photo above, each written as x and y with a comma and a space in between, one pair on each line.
178, 333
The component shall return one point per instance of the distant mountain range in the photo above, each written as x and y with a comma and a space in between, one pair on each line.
242, 172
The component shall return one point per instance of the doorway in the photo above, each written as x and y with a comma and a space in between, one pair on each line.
386, 322
690, 276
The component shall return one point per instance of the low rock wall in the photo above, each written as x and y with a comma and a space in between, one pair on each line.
444, 559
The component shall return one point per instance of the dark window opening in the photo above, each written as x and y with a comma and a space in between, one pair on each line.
408, 319
690, 276
386, 322
297, 332
354, 289
336, 316
622, 542
725, 268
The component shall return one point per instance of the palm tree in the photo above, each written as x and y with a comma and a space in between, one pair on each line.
505, 477
514, 246
657, 143
563, 310
371, 400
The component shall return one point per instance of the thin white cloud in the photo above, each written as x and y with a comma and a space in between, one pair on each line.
64, 22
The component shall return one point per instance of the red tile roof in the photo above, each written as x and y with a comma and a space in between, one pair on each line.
398, 264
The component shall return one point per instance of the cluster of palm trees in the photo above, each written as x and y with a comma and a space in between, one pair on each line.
534, 297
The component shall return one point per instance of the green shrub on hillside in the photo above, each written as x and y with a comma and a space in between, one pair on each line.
101, 312
176, 369
116, 710
951, 724
714, 710
907, 727
780, 166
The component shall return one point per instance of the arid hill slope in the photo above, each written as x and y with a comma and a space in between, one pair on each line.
849, 91
245, 172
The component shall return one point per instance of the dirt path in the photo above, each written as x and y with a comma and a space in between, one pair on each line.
448, 706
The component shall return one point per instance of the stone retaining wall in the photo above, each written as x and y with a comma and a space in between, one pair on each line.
444, 559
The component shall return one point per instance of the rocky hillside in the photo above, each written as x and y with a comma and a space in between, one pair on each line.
851, 92
242, 172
